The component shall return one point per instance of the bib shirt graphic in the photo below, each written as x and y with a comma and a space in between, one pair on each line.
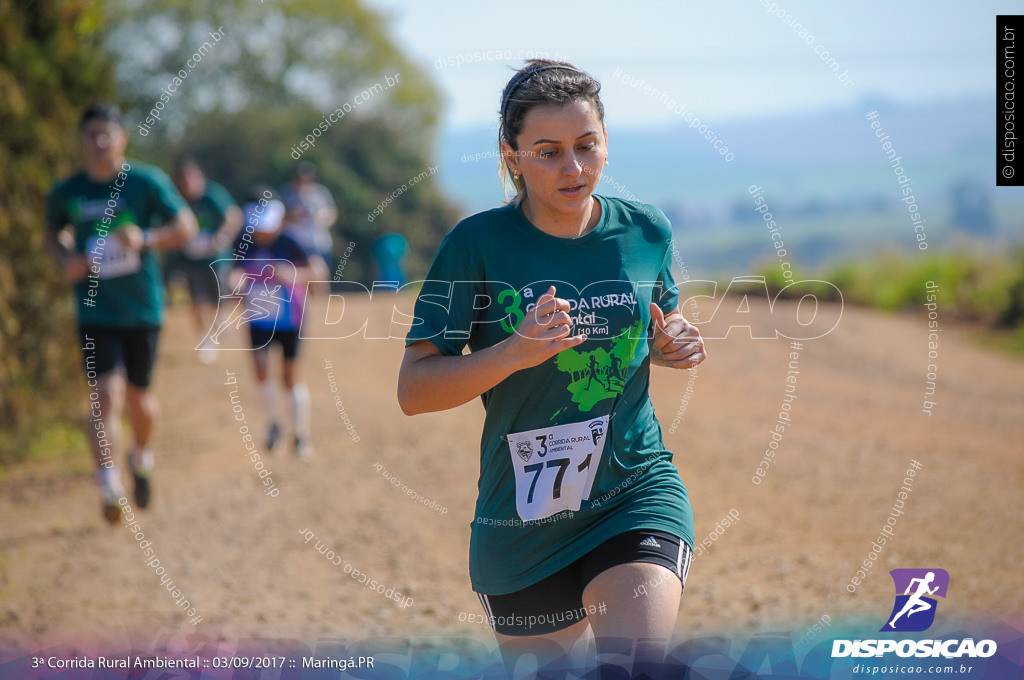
592, 375
914, 609
600, 373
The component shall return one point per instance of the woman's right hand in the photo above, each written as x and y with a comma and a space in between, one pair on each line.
429, 381
543, 332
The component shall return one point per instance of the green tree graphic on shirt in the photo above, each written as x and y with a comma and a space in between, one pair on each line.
600, 373
125, 216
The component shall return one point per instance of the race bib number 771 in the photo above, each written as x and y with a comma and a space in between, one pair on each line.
555, 466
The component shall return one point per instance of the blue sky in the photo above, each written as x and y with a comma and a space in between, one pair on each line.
724, 60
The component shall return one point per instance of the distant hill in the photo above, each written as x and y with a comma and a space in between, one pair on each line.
824, 174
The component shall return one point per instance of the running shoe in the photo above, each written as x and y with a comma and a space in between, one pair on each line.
303, 448
111, 510
142, 470
207, 352
111, 492
273, 436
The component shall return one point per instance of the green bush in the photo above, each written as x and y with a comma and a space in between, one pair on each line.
986, 288
51, 66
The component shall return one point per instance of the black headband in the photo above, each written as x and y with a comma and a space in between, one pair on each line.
523, 77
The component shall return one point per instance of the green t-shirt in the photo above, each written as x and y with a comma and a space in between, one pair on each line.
122, 289
571, 453
210, 210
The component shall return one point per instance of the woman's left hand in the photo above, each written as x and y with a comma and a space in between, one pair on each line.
677, 342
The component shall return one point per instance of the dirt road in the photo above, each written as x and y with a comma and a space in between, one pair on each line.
240, 558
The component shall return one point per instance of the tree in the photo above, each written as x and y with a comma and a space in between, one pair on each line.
272, 77
258, 78
51, 65
571, 362
362, 162
285, 55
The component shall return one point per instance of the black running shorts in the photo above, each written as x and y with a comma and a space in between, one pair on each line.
289, 340
557, 601
105, 348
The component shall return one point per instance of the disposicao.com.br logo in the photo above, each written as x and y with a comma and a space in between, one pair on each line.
914, 611
923, 583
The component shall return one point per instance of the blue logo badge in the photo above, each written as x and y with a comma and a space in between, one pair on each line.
916, 589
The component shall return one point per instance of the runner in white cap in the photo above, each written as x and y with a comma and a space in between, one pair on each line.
272, 276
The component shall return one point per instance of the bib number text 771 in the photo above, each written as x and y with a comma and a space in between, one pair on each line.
562, 464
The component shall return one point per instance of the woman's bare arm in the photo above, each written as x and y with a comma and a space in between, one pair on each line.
429, 381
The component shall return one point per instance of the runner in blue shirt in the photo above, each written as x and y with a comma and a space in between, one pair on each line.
271, 279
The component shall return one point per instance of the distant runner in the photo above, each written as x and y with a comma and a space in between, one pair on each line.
389, 250
310, 214
104, 225
219, 220
272, 281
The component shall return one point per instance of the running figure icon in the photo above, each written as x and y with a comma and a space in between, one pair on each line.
917, 591
252, 306
915, 603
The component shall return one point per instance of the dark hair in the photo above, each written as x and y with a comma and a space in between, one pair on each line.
183, 161
541, 82
100, 111
305, 168
258, 192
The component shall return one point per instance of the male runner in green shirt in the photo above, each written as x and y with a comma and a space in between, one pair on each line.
203, 260
103, 225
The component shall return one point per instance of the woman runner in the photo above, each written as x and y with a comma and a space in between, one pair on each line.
583, 527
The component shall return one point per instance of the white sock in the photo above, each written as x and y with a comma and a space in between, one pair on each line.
142, 461
298, 407
108, 476
270, 401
